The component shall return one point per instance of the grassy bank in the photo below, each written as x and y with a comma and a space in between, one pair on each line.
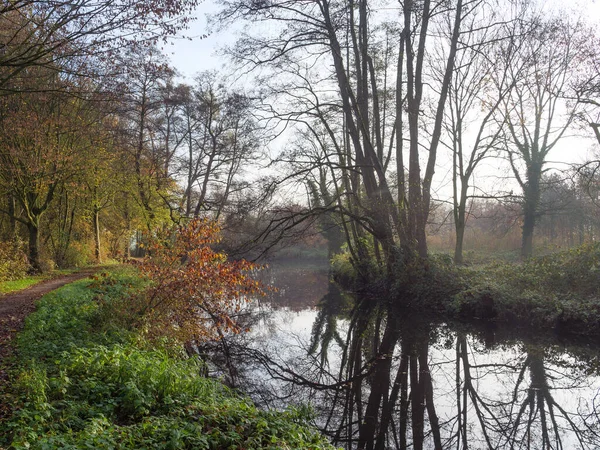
559, 292
17, 285
84, 381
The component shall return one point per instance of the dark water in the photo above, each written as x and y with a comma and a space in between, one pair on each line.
383, 380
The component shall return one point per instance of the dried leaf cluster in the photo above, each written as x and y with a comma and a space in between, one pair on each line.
196, 293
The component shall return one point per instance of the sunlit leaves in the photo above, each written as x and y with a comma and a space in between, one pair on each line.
196, 293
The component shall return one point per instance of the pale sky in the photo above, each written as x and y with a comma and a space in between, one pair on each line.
199, 53
196, 55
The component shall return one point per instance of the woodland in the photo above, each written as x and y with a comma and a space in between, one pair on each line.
449, 128
467, 129
440, 155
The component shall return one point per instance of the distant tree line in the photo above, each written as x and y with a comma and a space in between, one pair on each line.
568, 216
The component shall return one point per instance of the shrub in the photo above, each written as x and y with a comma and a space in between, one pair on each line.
430, 281
342, 269
78, 254
13, 261
557, 291
194, 291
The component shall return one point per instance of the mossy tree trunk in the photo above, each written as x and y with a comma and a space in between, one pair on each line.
34, 247
531, 201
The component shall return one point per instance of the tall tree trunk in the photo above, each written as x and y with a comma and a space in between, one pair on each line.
127, 217
12, 228
356, 112
458, 247
143, 187
460, 223
528, 226
96, 220
400, 168
530, 207
34, 251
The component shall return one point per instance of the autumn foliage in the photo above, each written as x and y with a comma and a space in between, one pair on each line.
195, 293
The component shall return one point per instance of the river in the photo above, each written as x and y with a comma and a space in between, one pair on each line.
409, 381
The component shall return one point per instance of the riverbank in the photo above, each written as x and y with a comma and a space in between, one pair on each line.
557, 293
82, 379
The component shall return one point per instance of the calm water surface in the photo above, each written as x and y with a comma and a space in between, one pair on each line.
381, 382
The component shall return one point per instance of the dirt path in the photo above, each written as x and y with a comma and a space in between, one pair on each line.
14, 307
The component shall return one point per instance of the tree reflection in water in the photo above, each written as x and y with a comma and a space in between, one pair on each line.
379, 379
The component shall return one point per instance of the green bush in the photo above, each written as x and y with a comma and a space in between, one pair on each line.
430, 282
342, 269
352, 274
78, 254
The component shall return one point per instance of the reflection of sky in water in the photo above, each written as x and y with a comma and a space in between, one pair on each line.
285, 334
500, 385
284, 322
495, 375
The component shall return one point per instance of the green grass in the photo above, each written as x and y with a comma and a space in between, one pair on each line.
17, 285
84, 381
6, 287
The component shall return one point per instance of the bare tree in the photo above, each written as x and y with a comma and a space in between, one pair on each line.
50, 33
329, 48
479, 86
221, 138
537, 112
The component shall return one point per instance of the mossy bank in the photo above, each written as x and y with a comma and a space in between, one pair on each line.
83, 380
554, 293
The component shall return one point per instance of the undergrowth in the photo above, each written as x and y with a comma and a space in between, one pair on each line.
83, 380
13, 262
558, 292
